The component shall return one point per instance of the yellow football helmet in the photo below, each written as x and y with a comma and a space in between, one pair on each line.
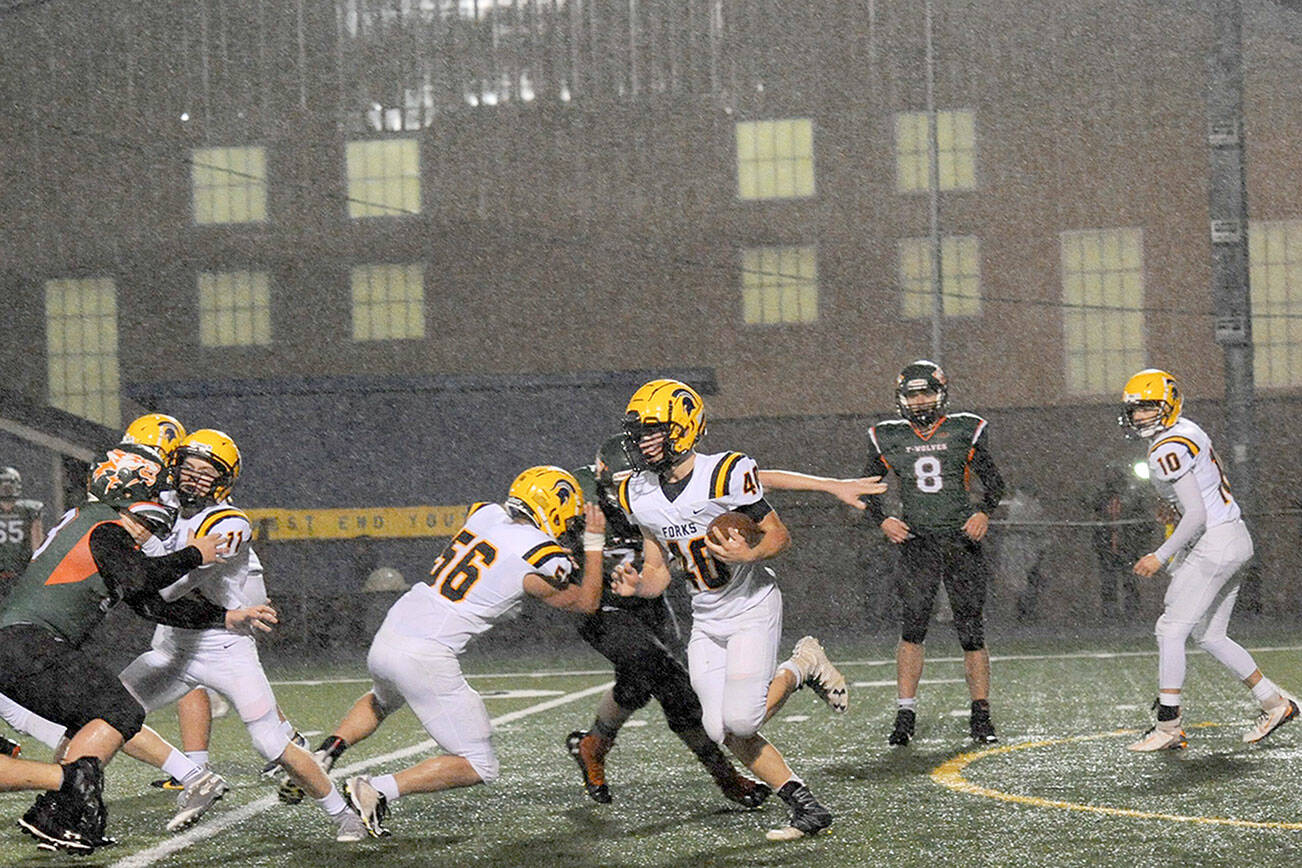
551, 498
1151, 388
156, 431
667, 406
218, 449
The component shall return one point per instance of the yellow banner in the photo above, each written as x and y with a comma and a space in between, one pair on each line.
353, 522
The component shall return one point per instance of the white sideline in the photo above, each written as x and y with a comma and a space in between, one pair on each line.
230, 818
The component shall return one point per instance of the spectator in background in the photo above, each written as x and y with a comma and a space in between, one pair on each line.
1118, 545
1020, 550
21, 532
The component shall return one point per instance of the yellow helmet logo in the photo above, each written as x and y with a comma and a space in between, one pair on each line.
667, 406
550, 497
157, 431
1148, 390
219, 450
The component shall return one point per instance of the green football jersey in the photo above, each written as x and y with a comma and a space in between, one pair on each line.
934, 471
61, 588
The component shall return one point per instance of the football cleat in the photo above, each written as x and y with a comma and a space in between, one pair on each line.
370, 804
350, 828
1272, 719
744, 791
905, 719
9, 747
167, 784
196, 798
979, 725
818, 673
589, 751
808, 816
1166, 735
48, 822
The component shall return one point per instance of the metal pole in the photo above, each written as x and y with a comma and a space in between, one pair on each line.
933, 197
1228, 210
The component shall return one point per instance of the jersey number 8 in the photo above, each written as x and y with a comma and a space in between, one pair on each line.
926, 470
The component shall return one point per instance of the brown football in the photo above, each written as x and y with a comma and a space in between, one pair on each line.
738, 521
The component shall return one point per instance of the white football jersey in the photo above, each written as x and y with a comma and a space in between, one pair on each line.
478, 580
1186, 448
719, 483
234, 583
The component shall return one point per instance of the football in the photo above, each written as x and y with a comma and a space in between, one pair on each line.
738, 521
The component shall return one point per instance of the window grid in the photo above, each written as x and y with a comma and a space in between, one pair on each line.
230, 185
388, 302
779, 285
82, 348
1275, 275
956, 140
775, 159
383, 178
960, 276
1103, 321
234, 309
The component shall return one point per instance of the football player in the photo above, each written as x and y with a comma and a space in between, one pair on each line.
503, 553
736, 605
20, 528
205, 470
89, 561
634, 633
933, 453
1210, 543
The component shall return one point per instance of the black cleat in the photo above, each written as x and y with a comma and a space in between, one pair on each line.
983, 731
9, 747
47, 821
589, 751
905, 719
808, 816
82, 793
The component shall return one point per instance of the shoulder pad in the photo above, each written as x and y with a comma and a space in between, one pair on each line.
621, 494
476, 507
227, 516
733, 475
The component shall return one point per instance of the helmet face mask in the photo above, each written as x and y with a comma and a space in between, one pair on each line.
613, 466
922, 393
550, 498
664, 421
205, 467
11, 483
1151, 403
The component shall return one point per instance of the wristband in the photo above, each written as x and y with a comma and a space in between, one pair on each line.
593, 541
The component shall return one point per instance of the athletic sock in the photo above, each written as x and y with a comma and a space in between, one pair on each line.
181, 767
387, 786
333, 804
1266, 692
200, 757
907, 703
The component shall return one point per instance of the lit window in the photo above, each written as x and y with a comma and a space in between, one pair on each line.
234, 309
779, 285
388, 302
1275, 275
1103, 297
383, 178
956, 141
775, 159
81, 340
230, 185
960, 276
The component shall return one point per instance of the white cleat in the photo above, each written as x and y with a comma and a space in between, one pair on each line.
351, 828
370, 803
818, 673
1272, 719
1167, 735
197, 797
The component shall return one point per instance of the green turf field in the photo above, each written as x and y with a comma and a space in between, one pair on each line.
1059, 789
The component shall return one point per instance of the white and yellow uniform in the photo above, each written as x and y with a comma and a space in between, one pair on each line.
736, 608
477, 581
180, 659
1209, 543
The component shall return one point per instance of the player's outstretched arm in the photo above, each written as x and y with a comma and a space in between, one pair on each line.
557, 590
848, 491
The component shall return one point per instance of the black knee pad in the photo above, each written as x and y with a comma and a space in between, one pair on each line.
631, 691
124, 714
915, 633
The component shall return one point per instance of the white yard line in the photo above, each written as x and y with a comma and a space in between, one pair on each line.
226, 819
